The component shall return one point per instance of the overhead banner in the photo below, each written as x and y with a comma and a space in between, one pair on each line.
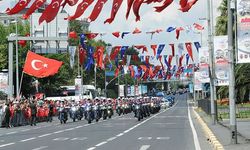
243, 34
221, 60
204, 65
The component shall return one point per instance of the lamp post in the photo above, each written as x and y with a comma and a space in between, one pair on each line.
211, 60
233, 126
17, 61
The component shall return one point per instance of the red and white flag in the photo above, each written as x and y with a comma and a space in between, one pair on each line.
50, 11
116, 5
36, 4
81, 8
97, 10
18, 7
198, 26
164, 5
39, 66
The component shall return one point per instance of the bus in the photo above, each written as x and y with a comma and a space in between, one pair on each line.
70, 93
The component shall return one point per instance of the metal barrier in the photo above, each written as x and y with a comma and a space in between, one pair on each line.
205, 105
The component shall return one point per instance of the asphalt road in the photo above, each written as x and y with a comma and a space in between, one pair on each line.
171, 129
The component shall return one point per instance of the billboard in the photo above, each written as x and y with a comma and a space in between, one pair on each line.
243, 31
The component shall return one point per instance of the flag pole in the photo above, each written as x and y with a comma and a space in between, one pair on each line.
20, 86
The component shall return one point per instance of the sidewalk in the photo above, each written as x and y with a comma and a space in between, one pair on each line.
222, 132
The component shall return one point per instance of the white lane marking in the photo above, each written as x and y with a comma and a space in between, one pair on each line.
60, 139
40, 148
145, 147
163, 138
25, 130
29, 139
195, 137
100, 144
44, 135
79, 139
91, 148
145, 138
11, 133
4, 145
37, 128
111, 139
58, 132
164, 123
69, 129
78, 127
121, 134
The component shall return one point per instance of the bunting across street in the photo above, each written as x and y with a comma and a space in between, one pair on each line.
54, 6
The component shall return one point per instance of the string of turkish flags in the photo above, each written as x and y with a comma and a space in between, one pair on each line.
146, 71
54, 6
118, 34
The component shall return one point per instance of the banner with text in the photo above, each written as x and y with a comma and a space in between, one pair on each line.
221, 60
204, 65
243, 34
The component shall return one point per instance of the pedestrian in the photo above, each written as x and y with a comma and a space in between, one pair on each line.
33, 113
7, 115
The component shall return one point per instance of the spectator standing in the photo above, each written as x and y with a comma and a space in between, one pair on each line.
33, 113
7, 115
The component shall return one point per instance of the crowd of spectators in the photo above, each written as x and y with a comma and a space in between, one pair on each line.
19, 112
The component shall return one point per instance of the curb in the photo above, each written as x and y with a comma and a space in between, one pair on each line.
208, 133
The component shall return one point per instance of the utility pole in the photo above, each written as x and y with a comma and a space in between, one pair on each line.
211, 60
233, 127
17, 62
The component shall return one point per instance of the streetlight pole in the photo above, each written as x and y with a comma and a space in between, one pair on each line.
211, 60
233, 126
17, 69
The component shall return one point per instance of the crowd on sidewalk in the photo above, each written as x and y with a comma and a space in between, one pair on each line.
25, 112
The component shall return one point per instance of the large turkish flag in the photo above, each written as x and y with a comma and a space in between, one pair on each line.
39, 66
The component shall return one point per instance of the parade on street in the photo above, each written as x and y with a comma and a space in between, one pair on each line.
124, 75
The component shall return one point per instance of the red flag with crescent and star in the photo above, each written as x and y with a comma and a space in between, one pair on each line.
81, 8
97, 10
18, 7
50, 11
36, 4
115, 7
39, 66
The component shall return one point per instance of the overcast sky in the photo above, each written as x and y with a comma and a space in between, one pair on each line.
150, 21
